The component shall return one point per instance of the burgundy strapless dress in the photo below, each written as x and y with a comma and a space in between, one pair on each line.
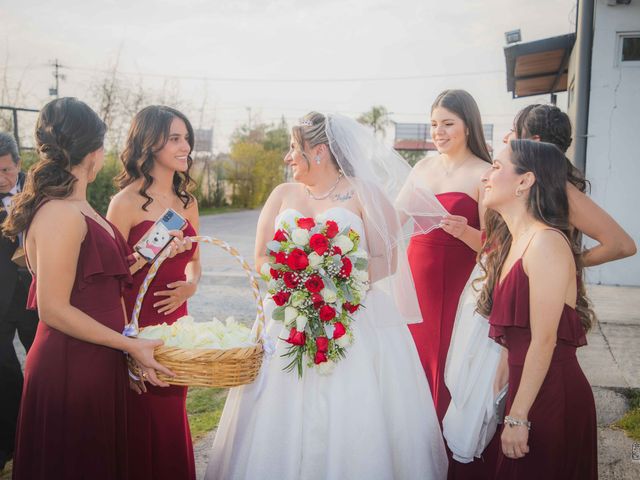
563, 435
441, 265
72, 421
158, 428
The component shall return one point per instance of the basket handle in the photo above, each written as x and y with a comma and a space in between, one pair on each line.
255, 289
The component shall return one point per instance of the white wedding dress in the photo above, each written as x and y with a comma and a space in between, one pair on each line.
371, 418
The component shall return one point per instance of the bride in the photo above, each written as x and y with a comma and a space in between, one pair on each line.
372, 416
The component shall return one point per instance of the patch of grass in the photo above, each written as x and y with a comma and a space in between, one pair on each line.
218, 210
630, 423
204, 407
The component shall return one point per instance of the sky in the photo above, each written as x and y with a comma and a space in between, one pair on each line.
225, 61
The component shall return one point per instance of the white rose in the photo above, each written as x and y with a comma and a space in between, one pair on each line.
326, 368
360, 275
329, 295
290, 314
265, 270
344, 341
344, 243
301, 322
300, 236
314, 259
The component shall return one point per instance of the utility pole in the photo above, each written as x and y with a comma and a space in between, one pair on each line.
58, 76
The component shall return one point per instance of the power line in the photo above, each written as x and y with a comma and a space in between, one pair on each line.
287, 80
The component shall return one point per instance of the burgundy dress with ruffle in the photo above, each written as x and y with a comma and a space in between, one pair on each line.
158, 427
563, 435
72, 421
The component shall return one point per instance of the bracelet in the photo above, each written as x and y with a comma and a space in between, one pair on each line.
514, 422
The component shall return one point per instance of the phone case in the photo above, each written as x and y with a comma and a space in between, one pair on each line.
157, 237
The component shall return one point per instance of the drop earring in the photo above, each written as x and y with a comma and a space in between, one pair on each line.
518, 192
317, 159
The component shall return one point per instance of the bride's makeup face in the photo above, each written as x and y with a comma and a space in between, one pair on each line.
296, 161
448, 131
500, 181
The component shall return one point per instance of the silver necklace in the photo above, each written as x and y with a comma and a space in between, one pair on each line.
326, 195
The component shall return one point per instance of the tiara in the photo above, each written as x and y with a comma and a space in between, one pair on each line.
306, 123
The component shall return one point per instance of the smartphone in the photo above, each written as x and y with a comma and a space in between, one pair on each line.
155, 240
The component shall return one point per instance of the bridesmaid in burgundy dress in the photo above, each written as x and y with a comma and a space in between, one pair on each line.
155, 177
442, 260
72, 421
538, 311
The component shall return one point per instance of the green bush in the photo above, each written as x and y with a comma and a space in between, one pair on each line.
101, 190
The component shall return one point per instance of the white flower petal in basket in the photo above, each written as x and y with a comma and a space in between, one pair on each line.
210, 354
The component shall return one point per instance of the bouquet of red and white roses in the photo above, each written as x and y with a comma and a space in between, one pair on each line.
317, 277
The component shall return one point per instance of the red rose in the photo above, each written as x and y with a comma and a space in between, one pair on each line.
327, 313
297, 260
306, 223
314, 284
347, 266
321, 357
275, 274
336, 251
280, 236
350, 307
296, 337
338, 330
317, 300
281, 298
332, 229
319, 243
322, 343
290, 279
280, 257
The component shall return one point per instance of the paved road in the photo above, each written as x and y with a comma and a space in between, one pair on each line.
611, 360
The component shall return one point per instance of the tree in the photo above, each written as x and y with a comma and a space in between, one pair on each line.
377, 118
256, 166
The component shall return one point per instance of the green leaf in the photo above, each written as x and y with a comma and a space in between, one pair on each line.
278, 314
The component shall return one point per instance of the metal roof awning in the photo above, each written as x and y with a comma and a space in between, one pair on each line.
540, 67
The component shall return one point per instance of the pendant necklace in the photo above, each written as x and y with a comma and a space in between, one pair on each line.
322, 197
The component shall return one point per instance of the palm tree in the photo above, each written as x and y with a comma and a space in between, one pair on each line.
377, 118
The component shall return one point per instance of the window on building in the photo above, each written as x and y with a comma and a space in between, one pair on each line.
630, 47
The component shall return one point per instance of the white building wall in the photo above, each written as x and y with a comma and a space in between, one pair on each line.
613, 146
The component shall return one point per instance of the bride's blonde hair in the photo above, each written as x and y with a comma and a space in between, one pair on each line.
312, 131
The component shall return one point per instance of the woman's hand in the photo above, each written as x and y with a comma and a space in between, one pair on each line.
142, 352
137, 386
454, 225
180, 292
515, 441
179, 244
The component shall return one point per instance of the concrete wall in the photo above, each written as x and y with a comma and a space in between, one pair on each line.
613, 146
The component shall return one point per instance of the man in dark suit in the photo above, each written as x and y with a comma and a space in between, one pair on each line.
14, 287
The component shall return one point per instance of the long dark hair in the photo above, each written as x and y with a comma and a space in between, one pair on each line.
148, 134
67, 131
547, 202
464, 106
551, 125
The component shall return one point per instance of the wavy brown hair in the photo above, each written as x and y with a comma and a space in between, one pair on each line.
551, 125
148, 134
465, 107
547, 202
67, 130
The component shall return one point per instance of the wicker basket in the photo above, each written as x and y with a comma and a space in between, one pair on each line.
207, 367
